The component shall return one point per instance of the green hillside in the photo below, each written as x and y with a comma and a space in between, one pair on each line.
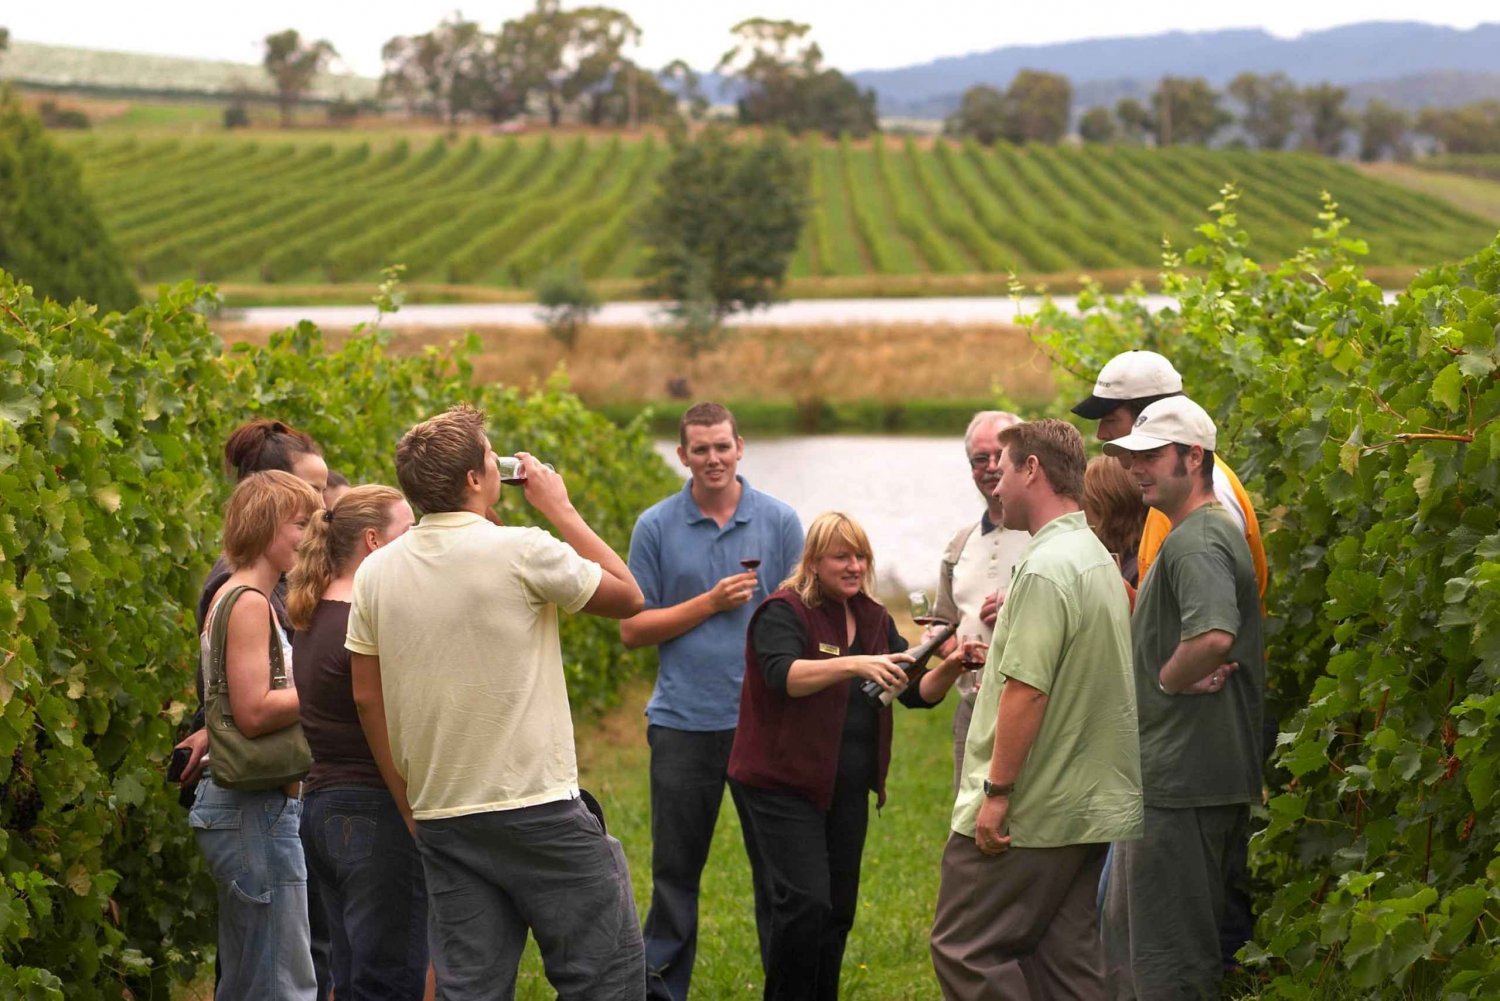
497, 211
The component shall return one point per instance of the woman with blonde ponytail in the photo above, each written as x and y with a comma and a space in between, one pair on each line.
359, 852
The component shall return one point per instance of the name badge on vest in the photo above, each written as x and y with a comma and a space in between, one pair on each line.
828, 648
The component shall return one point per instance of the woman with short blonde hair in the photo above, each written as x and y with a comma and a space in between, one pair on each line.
827, 532
811, 746
249, 836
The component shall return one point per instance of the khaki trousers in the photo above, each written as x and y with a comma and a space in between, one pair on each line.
1028, 908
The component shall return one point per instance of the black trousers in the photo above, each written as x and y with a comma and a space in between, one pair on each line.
808, 889
688, 774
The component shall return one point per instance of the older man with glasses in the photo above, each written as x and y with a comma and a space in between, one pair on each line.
977, 563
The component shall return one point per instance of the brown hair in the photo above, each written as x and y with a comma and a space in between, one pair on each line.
330, 540
1058, 448
259, 506
1205, 471
706, 415
434, 458
829, 529
265, 444
1112, 502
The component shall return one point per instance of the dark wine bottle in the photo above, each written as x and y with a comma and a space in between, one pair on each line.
921, 654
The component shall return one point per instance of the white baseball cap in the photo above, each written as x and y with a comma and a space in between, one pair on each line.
1133, 375
1176, 420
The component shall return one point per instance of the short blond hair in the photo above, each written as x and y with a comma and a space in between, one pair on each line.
434, 458
829, 529
1058, 448
259, 506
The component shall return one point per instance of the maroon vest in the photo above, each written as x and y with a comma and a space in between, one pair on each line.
789, 744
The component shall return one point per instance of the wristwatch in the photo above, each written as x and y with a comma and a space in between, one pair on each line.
993, 789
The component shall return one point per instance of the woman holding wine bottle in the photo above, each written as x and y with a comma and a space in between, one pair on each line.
811, 746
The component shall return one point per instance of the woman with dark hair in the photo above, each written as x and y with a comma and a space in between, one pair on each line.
248, 833
360, 855
811, 747
266, 444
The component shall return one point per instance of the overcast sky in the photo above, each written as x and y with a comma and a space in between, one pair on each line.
854, 34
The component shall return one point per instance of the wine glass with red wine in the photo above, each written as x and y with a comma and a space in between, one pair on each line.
921, 608
512, 472
751, 563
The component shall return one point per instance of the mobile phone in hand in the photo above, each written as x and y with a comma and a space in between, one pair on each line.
180, 758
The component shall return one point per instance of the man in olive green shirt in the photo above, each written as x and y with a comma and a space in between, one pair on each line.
1196, 632
1052, 763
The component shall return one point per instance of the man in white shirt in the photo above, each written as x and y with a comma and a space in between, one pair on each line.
976, 565
459, 682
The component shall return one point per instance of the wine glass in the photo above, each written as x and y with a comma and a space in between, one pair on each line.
751, 563
974, 650
513, 472
921, 608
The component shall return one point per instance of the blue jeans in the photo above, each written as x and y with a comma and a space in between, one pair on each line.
366, 870
549, 869
250, 842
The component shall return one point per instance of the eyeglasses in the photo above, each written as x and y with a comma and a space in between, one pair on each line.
983, 460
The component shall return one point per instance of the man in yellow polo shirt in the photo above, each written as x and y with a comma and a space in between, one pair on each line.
458, 678
1127, 384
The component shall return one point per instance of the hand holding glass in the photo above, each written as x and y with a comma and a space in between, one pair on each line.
975, 649
512, 472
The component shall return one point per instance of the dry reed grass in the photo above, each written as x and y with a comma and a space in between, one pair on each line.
836, 362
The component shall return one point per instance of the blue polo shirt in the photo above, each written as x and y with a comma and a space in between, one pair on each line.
677, 553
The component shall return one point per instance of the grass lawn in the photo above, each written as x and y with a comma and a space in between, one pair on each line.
887, 957
887, 954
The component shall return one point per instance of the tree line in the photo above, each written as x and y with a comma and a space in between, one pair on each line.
573, 63
1274, 113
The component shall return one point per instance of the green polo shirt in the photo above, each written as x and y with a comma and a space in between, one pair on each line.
1065, 630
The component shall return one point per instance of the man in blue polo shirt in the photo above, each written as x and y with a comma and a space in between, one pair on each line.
704, 558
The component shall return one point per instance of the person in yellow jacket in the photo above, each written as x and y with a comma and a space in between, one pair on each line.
1128, 384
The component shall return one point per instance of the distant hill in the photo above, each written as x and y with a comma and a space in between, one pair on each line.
1411, 64
61, 67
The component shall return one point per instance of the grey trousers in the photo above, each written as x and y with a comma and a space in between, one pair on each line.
1165, 901
1027, 909
1009, 983
961, 718
549, 869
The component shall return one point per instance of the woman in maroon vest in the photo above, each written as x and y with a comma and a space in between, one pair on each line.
810, 747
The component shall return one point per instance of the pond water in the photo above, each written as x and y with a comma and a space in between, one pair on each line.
910, 493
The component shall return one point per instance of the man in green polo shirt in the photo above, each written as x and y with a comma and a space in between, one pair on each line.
1196, 632
1052, 763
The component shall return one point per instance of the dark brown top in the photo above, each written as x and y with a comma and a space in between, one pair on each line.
325, 695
